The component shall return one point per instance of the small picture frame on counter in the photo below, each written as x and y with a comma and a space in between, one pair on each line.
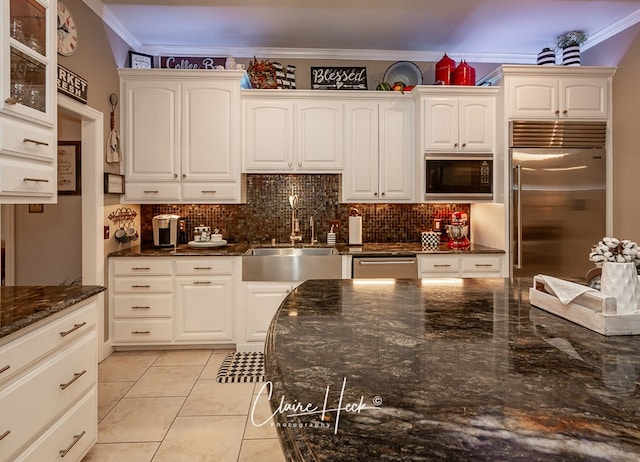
113, 183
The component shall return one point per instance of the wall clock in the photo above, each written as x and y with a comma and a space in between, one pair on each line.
67, 31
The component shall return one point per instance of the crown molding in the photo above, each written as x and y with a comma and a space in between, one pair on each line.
612, 30
110, 20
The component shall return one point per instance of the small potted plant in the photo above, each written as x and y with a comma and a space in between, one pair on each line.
570, 43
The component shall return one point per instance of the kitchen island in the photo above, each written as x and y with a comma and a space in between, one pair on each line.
423, 370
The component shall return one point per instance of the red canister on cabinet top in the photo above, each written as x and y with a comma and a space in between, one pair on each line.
464, 74
444, 70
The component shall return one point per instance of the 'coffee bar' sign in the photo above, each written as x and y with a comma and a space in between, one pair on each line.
72, 84
190, 62
339, 78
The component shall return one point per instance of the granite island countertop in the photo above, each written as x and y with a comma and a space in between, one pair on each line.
25, 307
430, 372
369, 249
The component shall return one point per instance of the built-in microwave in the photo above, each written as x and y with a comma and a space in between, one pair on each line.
458, 176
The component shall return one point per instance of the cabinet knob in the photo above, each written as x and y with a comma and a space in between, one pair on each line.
464, 145
557, 112
184, 175
455, 145
375, 194
290, 164
382, 194
565, 112
299, 164
11, 100
175, 175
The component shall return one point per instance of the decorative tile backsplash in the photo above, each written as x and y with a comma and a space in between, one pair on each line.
267, 213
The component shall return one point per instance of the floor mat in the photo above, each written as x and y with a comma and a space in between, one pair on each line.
242, 367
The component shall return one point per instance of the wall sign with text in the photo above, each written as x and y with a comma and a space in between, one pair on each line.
72, 84
190, 62
339, 78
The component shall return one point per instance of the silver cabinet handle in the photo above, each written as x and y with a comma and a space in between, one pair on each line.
4, 435
5, 368
441, 266
140, 307
202, 268
140, 268
483, 265
76, 376
208, 191
151, 191
140, 286
518, 170
74, 328
140, 332
36, 180
393, 262
40, 143
76, 438
202, 282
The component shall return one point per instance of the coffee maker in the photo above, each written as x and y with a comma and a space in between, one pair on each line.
165, 230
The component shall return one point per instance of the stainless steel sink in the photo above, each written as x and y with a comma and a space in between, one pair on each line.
291, 264
286, 251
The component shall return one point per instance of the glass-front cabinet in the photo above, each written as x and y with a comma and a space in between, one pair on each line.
29, 62
28, 106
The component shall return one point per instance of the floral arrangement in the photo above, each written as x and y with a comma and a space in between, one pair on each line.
572, 38
262, 74
610, 249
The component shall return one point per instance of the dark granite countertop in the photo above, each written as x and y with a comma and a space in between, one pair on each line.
22, 307
431, 372
379, 249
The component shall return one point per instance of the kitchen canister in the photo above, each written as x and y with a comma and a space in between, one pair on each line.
571, 55
430, 240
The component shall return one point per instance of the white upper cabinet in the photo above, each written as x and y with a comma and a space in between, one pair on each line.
28, 161
181, 135
378, 150
556, 92
292, 132
457, 122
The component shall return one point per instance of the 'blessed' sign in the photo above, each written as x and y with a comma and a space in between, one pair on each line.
339, 78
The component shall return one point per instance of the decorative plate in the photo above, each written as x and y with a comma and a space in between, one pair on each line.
405, 72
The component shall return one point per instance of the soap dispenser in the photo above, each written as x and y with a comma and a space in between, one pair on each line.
331, 237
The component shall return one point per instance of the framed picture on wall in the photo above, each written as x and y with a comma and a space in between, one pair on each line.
140, 60
69, 180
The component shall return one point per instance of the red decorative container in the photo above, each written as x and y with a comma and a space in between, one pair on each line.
464, 74
444, 70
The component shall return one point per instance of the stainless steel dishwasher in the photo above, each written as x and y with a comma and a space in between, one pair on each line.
385, 267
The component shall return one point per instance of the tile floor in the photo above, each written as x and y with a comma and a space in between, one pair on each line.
166, 406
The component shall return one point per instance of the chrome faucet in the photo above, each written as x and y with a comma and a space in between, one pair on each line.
295, 223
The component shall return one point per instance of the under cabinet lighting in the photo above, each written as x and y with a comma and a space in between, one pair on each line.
365, 282
442, 281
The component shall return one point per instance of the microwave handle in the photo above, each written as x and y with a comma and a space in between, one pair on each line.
518, 174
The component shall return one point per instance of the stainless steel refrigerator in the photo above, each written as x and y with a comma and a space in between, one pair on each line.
558, 196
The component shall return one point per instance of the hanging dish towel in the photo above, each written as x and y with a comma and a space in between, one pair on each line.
113, 147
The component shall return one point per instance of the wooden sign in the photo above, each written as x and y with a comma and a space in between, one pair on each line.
72, 84
339, 78
190, 62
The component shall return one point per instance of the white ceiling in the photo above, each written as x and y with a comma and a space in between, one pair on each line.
507, 31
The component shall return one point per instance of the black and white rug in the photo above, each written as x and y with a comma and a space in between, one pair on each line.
242, 367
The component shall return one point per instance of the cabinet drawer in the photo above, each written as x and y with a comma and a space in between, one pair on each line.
142, 285
438, 264
141, 306
34, 400
481, 264
23, 176
211, 192
20, 353
151, 192
142, 331
201, 266
141, 266
71, 437
27, 140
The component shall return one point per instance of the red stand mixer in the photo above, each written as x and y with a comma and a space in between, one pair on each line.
458, 231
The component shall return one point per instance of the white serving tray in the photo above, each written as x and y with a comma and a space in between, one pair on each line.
207, 243
592, 310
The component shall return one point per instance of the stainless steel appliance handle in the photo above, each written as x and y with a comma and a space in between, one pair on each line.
391, 262
518, 170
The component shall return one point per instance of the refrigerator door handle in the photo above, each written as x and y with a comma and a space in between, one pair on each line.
518, 172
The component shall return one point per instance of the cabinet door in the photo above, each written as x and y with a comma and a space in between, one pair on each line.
476, 124
268, 135
204, 308
395, 142
210, 131
584, 98
533, 97
319, 135
262, 302
360, 176
441, 124
151, 129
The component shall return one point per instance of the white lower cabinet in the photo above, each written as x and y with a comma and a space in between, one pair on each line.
465, 266
261, 301
48, 396
159, 301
